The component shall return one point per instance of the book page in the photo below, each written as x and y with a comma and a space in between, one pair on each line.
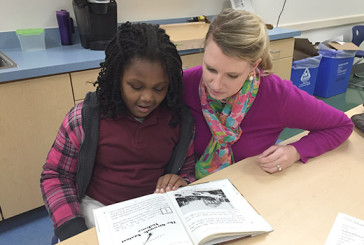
146, 220
346, 230
217, 209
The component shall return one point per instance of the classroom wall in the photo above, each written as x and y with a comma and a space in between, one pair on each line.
310, 13
42, 13
318, 20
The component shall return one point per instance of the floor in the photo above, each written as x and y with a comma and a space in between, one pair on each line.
31, 228
35, 227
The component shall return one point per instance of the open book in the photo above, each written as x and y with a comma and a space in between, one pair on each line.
207, 213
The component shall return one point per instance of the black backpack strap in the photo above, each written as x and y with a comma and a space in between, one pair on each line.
87, 153
179, 154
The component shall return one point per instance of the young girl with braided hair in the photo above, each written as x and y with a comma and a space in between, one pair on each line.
129, 138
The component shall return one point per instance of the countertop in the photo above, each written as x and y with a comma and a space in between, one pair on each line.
56, 59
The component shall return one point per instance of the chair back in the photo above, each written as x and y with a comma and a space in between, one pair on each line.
358, 34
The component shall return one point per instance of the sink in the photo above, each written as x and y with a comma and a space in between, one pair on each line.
6, 62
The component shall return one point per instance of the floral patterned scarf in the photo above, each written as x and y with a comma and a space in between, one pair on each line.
224, 122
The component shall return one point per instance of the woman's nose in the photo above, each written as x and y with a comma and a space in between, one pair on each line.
216, 83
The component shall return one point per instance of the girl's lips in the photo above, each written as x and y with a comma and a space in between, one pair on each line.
143, 108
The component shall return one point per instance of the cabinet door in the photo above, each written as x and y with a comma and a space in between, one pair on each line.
31, 112
283, 67
282, 53
82, 83
191, 60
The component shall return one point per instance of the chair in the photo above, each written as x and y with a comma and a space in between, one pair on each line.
358, 38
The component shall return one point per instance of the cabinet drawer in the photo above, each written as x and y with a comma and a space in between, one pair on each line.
281, 48
191, 60
82, 82
282, 67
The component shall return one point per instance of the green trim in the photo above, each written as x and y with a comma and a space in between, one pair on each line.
29, 32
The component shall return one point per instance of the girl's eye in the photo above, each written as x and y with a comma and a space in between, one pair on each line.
159, 89
135, 87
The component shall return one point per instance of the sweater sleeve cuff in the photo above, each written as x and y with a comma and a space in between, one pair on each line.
303, 158
70, 228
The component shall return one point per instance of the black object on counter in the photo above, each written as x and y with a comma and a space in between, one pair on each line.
358, 121
96, 22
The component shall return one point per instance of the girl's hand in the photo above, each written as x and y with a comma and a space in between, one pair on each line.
278, 157
169, 182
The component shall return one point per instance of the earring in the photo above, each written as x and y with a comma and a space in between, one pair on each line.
251, 76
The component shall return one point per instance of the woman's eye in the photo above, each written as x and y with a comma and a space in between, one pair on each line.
233, 76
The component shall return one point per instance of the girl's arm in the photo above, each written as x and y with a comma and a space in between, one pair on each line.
58, 179
185, 176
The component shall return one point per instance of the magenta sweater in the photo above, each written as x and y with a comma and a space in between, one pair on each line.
278, 105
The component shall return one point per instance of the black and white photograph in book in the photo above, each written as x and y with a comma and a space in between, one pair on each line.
190, 201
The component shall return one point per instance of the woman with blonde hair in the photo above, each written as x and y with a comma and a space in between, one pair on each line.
240, 108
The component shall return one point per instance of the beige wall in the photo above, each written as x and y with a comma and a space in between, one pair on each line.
19, 14
333, 17
41, 13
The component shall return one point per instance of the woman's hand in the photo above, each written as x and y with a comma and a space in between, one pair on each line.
169, 182
278, 157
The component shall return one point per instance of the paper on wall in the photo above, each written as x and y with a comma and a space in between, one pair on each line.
243, 5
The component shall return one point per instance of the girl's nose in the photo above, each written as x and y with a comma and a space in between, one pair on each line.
146, 96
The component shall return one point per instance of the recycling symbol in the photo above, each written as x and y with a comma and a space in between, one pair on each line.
305, 78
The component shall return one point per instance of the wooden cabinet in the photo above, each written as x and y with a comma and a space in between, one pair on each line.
31, 112
191, 60
82, 83
282, 54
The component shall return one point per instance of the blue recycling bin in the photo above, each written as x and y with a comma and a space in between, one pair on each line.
304, 73
334, 72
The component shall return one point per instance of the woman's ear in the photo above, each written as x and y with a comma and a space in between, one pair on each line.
255, 65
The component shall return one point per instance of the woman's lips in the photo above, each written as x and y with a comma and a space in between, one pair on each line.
215, 93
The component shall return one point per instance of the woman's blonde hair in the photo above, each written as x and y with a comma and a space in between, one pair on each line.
241, 34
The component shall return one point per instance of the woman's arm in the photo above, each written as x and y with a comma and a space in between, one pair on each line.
293, 108
328, 127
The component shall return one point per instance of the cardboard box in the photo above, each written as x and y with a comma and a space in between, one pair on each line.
306, 61
343, 46
303, 48
187, 36
335, 68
